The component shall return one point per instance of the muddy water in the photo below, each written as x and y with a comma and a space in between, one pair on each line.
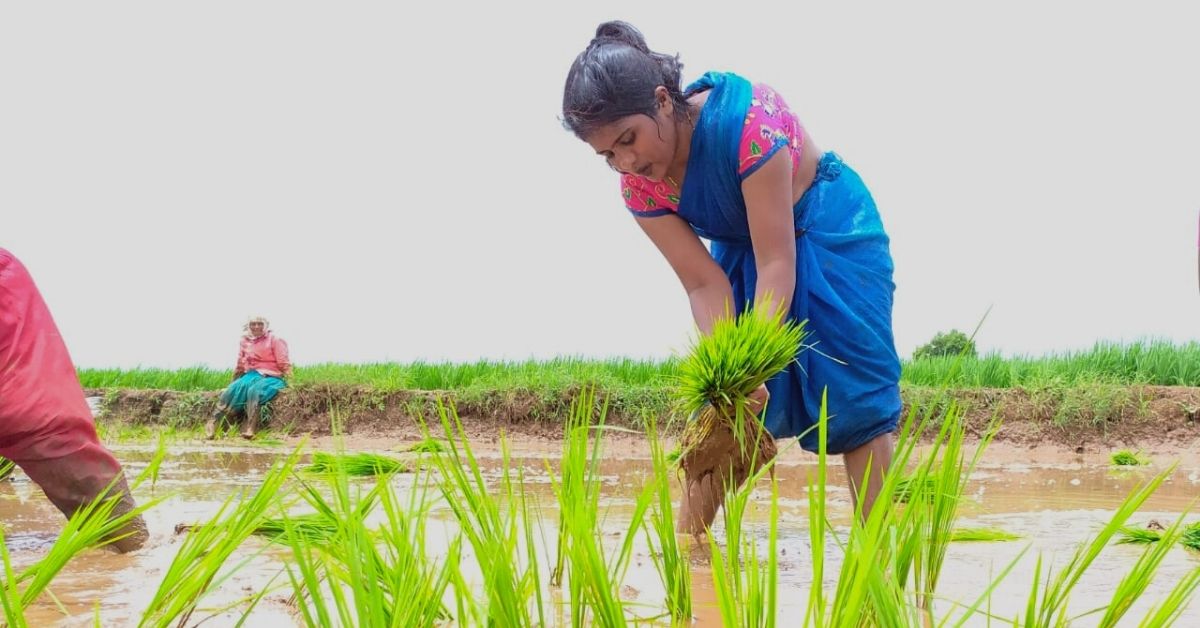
1053, 505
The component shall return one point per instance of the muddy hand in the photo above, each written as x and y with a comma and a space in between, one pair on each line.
701, 501
758, 399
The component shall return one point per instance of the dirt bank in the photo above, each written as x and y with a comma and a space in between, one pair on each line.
1148, 417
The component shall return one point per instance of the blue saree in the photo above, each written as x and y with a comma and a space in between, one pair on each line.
843, 279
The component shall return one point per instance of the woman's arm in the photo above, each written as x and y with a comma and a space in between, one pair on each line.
768, 195
706, 284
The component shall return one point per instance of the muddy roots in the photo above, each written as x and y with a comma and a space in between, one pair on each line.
715, 460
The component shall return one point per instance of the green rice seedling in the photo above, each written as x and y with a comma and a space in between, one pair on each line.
1191, 536
672, 457
428, 446
1126, 458
1131, 535
6, 468
1134, 584
745, 580
974, 535
382, 577
359, 464
663, 543
1167, 612
206, 549
1047, 604
907, 487
724, 367
494, 531
594, 579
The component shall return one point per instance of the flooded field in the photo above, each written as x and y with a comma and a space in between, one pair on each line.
1052, 505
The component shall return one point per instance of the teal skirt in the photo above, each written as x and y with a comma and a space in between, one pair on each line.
251, 387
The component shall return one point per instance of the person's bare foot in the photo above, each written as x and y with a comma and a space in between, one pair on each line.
210, 429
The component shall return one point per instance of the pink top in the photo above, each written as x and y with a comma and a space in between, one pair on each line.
267, 354
770, 125
43, 413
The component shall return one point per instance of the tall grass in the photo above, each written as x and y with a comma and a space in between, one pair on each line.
1154, 362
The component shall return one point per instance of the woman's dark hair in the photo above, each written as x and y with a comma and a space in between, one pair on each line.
614, 77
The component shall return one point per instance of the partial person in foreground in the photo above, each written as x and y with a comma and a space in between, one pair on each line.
261, 371
46, 426
727, 160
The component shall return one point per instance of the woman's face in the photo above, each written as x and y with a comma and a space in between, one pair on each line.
257, 328
639, 144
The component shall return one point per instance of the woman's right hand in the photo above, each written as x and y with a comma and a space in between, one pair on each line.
758, 399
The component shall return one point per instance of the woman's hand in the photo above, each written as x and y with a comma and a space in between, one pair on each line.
758, 399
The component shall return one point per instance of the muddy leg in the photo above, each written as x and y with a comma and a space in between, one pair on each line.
878, 454
250, 425
210, 428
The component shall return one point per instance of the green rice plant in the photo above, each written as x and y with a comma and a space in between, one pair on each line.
202, 556
745, 580
428, 446
494, 531
672, 457
1167, 612
594, 579
1126, 458
358, 464
1047, 603
663, 543
722, 368
94, 525
1191, 536
1131, 535
974, 535
1134, 584
6, 468
909, 486
382, 577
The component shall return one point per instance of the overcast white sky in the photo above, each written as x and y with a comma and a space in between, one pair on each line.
391, 183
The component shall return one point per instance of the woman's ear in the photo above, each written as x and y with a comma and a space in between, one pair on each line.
664, 100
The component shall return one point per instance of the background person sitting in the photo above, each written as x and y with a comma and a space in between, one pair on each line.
262, 366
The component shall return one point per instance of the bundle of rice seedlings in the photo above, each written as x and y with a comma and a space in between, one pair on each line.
724, 443
428, 446
361, 464
1191, 536
1149, 534
963, 535
1126, 458
906, 487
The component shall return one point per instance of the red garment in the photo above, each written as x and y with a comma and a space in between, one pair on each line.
46, 426
267, 354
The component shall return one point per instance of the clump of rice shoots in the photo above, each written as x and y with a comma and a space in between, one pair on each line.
360, 464
981, 535
672, 457
428, 446
1126, 458
1191, 536
906, 487
723, 443
1131, 535
1153, 533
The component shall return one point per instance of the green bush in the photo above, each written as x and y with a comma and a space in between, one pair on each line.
946, 343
